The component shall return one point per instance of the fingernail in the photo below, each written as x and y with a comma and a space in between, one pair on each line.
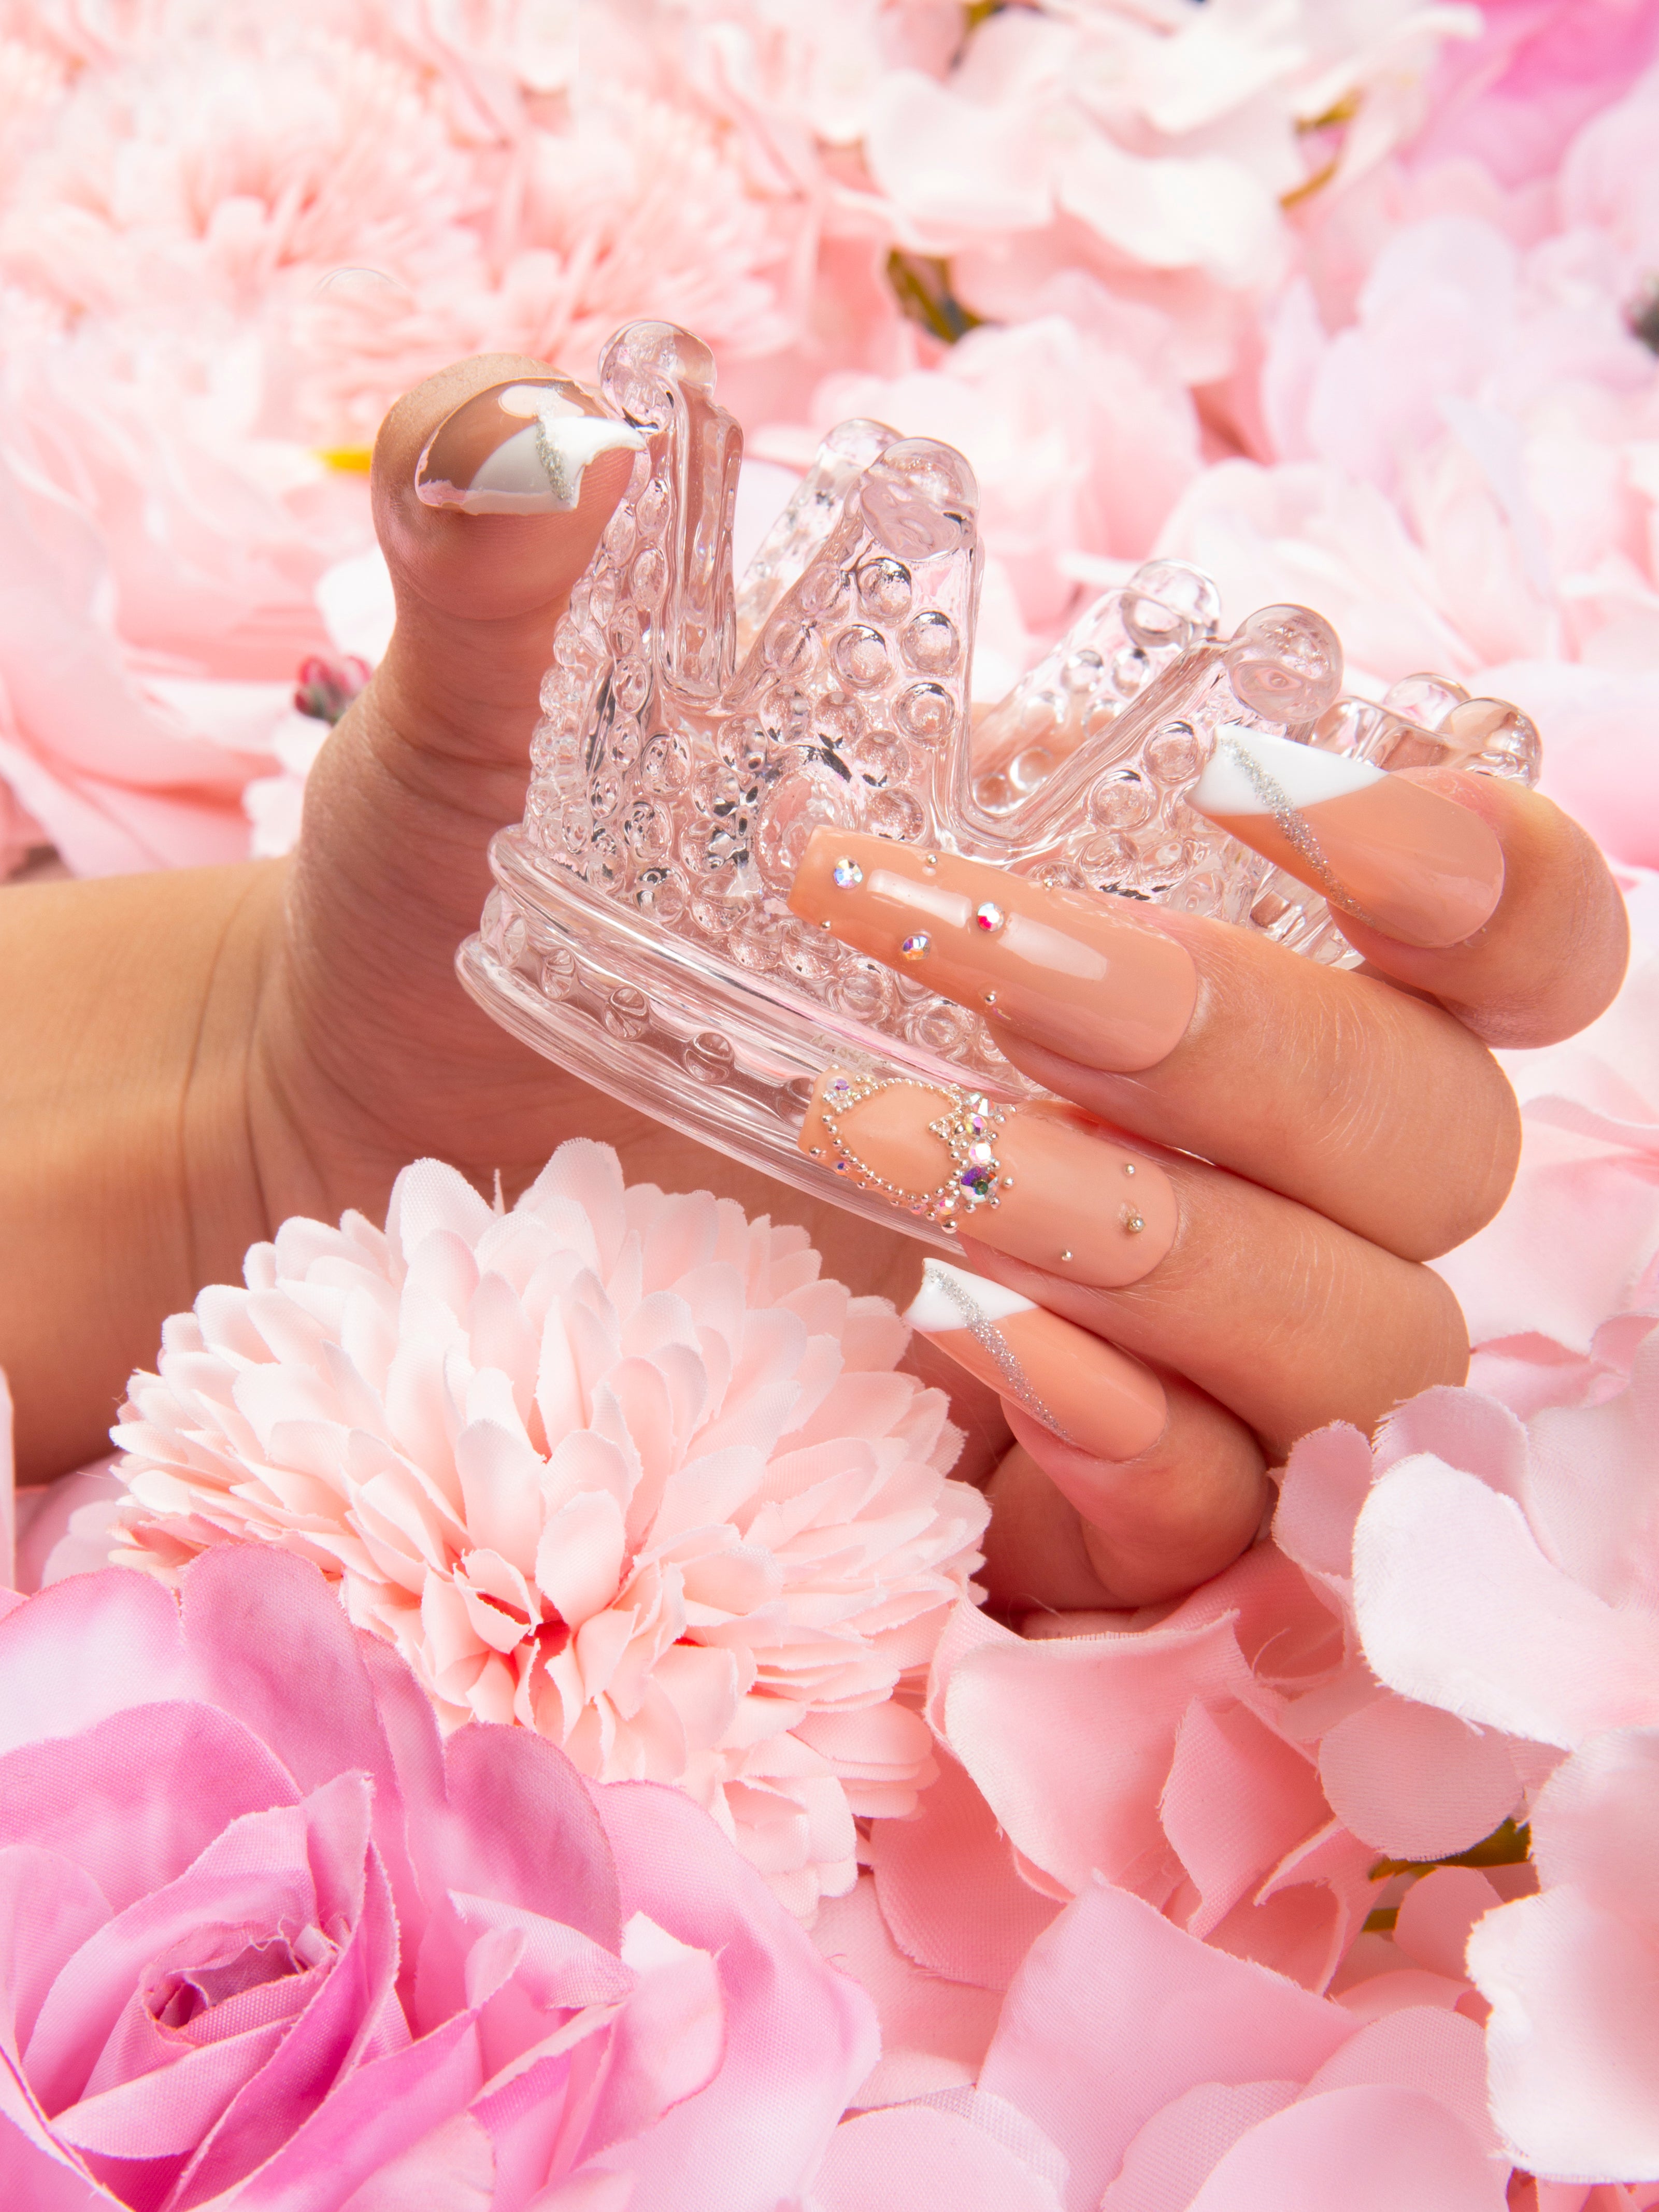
1086, 1393
518, 449
1057, 967
1035, 1185
1388, 851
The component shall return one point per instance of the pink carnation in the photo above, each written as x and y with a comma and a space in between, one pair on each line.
615, 1465
271, 1943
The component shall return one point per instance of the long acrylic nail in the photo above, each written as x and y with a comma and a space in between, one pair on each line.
519, 448
1088, 1394
1383, 849
1035, 1185
1057, 967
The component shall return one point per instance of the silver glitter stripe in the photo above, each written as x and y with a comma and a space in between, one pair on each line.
1277, 800
554, 460
979, 1327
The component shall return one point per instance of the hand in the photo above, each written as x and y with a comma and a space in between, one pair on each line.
194, 1057
188, 1058
1223, 1249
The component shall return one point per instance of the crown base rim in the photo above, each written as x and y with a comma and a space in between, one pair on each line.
724, 1058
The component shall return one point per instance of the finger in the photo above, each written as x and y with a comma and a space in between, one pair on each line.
1161, 1486
1366, 1103
1069, 1535
1278, 1313
488, 514
1467, 886
1555, 951
426, 766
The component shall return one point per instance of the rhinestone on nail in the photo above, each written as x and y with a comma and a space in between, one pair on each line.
1134, 1222
1064, 1255
988, 917
1128, 1167
915, 948
848, 875
967, 1128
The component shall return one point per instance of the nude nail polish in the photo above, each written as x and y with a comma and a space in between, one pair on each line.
1088, 1394
1039, 1185
1058, 967
519, 448
1389, 852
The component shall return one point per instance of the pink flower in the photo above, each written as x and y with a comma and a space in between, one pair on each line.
1156, 1754
1509, 1574
1513, 98
1135, 2070
271, 1942
1151, 148
614, 1464
644, 207
1460, 428
1564, 1284
1079, 431
225, 241
1571, 1974
1233, 1759
161, 556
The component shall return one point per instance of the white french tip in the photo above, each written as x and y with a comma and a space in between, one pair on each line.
950, 1298
1303, 774
540, 470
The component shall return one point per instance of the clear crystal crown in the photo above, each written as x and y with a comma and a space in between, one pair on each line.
696, 732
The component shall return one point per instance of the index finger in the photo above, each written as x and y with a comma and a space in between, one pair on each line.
1552, 954
1467, 887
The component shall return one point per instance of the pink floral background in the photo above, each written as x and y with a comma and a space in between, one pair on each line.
788, 1879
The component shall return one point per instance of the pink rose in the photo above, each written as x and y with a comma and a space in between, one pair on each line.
268, 1942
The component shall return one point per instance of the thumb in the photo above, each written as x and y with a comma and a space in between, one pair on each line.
492, 483
433, 755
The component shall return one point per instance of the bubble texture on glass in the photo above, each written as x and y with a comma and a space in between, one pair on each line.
697, 729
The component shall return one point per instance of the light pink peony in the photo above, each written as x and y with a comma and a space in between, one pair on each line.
1135, 2070
1231, 1760
614, 1464
1513, 98
1459, 445
1571, 1974
1152, 148
1560, 1288
1078, 429
270, 1943
1508, 1573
